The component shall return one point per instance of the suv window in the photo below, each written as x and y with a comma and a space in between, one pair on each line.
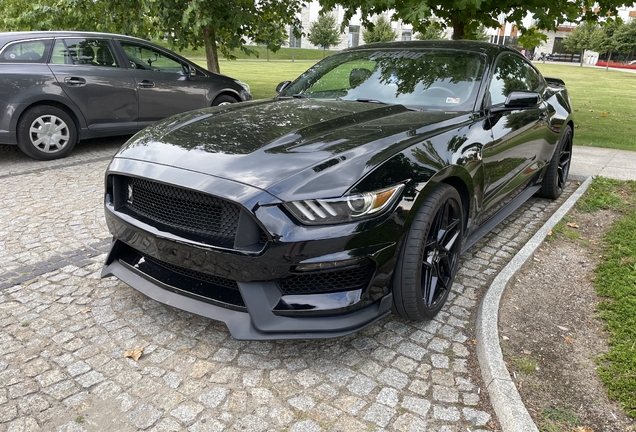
512, 74
145, 57
32, 51
80, 51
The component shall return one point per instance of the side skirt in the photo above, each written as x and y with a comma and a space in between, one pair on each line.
487, 226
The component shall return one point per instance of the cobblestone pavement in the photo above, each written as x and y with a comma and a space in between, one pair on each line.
64, 331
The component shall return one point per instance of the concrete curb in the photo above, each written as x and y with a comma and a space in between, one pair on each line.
505, 399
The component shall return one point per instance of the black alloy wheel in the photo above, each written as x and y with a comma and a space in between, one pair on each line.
430, 257
556, 175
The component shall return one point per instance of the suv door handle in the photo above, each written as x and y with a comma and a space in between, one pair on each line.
146, 84
75, 82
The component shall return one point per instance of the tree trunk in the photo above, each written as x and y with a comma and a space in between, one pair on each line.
459, 28
267, 53
609, 58
582, 55
323, 51
211, 55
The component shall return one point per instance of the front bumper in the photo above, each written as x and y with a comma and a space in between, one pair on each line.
243, 286
258, 322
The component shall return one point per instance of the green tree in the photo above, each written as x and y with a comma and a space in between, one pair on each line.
381, 31
211, 24
220, 26
580, 39
432, 31
603, 41
625, 37
465, 16
117, 16
477, 33
324, 32
273, 35
531, 38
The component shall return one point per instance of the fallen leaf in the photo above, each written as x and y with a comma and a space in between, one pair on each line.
134, 354
583, 429
568, 339
603, 114
550, 232
87, 310
516, 307
592, 110
527, 352
572, 225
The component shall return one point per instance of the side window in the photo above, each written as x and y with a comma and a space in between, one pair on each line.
76, 51
146, 57
512, 74
33, 51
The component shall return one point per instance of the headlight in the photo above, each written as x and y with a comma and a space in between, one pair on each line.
345, 209
244, 85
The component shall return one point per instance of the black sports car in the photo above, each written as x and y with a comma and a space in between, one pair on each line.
348, 196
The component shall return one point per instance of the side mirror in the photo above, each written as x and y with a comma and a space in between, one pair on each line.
193, 71
522, 99
282, 86
518, 100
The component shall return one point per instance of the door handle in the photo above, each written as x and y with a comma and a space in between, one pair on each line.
146, 84
75, 82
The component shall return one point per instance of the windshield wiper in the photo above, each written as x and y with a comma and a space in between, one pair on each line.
375, 101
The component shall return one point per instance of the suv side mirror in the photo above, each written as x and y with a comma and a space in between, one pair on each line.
192, 70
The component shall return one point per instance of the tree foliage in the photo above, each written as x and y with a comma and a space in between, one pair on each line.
465, 16
625, 37
433, 31
211, 24
381, 31
580, 39
531, 38
324, 32
477, 33
603, 41
271, 34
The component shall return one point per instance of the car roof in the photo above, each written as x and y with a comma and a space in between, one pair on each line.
463, 45
6, 37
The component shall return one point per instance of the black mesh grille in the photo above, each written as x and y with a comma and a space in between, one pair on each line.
339, 280
211, 279
185, 210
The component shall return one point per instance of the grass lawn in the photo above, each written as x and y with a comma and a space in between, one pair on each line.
615, 282
604, 104
262, 76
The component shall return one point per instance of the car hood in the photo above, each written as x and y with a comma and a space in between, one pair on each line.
291, 148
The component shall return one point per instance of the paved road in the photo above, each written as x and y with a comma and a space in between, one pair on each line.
64, 332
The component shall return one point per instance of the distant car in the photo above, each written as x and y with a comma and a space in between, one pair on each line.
633, 62
59, 87
348, 196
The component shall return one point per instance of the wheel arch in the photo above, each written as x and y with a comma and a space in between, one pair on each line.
461, 180
57, 104
226, 92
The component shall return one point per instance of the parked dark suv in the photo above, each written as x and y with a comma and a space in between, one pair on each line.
59, 87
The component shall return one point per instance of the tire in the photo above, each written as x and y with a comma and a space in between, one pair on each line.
556, 176
46, 132
223, 100
429, 258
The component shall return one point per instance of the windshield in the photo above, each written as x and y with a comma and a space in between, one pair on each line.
418, 78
